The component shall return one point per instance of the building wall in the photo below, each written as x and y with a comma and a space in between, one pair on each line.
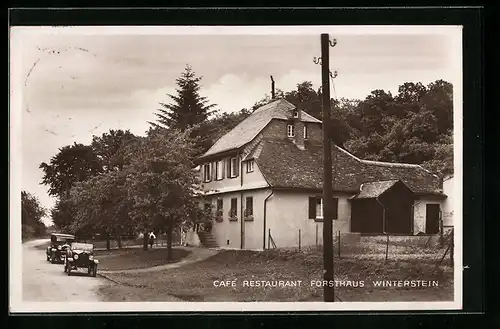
289, 211
250, 180
277, 129
419, 213
228, 233
314, 131
448, 203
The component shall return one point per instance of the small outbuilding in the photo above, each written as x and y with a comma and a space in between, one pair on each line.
383, 207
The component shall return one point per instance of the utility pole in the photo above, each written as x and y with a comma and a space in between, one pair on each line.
329, 293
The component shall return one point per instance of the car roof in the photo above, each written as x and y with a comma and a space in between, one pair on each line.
82, 243
63, 235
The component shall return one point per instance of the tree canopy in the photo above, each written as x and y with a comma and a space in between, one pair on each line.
187, 109
32, 213
73, 163
414, 126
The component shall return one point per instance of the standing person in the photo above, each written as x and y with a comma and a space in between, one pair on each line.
152, 238
184, 230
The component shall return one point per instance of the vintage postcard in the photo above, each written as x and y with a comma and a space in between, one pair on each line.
185, 166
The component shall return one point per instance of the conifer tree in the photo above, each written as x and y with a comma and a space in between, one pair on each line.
187, 109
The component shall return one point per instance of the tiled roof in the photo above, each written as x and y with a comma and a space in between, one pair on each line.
246, 131
284, 165
375, 189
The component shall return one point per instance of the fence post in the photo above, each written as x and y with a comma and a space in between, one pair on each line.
269, 239
452, 247
299, 240
387, 248
441, 241
338, 243
317, 243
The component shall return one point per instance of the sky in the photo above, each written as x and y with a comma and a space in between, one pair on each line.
70, 83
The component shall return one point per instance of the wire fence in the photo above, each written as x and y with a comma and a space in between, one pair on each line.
435, 248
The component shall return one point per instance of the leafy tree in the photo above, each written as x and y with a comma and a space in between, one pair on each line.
306, 98
73, 163
188, 109
102, 204
63, 213
109, 148
32, 213
161, 182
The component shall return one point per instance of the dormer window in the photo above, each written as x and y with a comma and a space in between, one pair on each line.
295, 114
290, 131
250, 164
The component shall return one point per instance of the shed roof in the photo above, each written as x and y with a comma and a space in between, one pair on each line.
374, 189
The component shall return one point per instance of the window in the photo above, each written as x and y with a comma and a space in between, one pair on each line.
218, 170
249, 206
250, 164
207, 172
290, 131
295, 114
233, 210
305, 132
316, 208
219, 213
233, 167
319, 208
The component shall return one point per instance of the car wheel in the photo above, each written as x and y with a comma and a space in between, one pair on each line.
48, 258
89, 270
53, 258
66, 267
69, 270
94, 271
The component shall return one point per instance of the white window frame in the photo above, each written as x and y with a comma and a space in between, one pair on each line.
207, 177
290, 131
218, 170
233, 163
250, 166
321, 209
305, 132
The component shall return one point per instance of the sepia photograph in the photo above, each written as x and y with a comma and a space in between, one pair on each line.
216, 168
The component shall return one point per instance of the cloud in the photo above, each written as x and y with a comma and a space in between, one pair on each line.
232, 92
71, 93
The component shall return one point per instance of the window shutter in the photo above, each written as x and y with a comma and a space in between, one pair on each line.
214, 170
237, 171
228, 167
335, 208
223, 169
312, 208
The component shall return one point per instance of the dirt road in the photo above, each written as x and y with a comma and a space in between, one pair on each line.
43, 281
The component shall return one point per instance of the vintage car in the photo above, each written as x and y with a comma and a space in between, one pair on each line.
56, 251
80, 255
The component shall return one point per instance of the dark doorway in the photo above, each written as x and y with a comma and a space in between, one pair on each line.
432, 213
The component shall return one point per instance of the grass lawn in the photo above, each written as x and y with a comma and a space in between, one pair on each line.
126, 259
195, 282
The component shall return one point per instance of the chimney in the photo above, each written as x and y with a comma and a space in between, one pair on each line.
272, 88
298, 128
